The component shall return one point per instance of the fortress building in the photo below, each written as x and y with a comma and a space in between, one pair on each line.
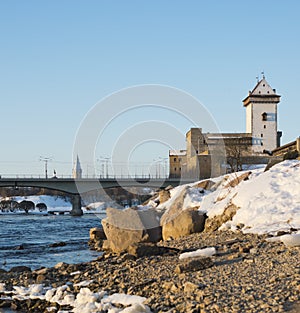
239, 149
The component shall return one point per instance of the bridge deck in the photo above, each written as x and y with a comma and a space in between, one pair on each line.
75, 186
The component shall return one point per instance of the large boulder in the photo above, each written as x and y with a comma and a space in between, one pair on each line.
183, 224
177, 222
175, 208
124, 228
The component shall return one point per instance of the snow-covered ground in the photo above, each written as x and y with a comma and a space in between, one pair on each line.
56, 204
268, 201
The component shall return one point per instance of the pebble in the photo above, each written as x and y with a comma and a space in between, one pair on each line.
240, 278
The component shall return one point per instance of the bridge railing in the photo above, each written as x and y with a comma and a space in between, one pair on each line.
29, 176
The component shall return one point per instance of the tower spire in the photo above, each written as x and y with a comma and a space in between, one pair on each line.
77, 170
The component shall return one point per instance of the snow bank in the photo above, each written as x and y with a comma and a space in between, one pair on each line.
268, 202
58, 204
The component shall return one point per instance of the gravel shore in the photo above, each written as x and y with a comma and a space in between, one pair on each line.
248, 274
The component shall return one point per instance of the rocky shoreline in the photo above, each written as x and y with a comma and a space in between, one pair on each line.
247, 274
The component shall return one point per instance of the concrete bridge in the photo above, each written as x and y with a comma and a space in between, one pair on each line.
77, 186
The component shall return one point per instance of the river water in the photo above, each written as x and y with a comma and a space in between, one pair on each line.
26, 239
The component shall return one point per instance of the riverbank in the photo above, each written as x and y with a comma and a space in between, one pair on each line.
247, 274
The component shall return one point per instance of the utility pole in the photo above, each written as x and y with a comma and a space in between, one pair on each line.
46, 160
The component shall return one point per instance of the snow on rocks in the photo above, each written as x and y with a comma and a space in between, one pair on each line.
266, 202
206, 252
85, 301
289, 240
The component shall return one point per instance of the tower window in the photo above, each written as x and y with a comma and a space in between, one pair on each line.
261, 135
264, 116
174, 159
261, 143
265, 126
175, 169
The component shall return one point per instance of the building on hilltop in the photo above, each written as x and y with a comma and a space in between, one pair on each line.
261, 117
77, 170
212, 154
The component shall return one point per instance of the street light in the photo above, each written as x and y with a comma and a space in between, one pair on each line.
105, 159
46, 160
164, 160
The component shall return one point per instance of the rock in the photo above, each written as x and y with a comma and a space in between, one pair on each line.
273, 161
61, 265
41, 271
40, 279
5, 303
234, 182
148, 249
20, 247
97, 236
126, 227
215, 222
193, 264
205, 184
176, 207
164, 195
183, 224
18, 269
189, 287
177, 222
97, 233
57, 244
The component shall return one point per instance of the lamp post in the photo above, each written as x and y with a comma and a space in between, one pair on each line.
46, 160
164, 161
105, 159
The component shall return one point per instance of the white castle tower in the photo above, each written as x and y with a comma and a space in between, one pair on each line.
77, 171
261, 117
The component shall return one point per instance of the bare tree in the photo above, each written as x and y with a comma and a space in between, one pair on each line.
235, 152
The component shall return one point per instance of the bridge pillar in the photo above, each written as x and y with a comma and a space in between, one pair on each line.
76, 206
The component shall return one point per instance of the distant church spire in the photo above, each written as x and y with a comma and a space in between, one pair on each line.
77, 171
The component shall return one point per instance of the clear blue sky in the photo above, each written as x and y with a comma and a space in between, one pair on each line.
59, 58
